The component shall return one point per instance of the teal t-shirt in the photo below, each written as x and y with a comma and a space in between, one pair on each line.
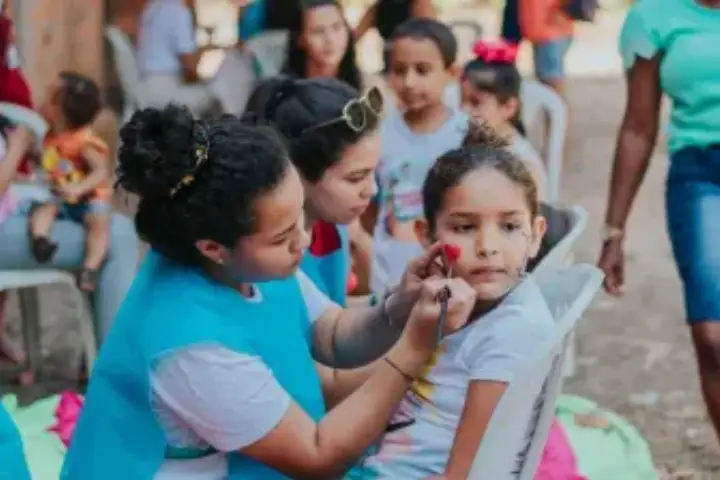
687, 35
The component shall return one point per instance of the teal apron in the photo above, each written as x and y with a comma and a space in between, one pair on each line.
169, 307
12, 455
330, 271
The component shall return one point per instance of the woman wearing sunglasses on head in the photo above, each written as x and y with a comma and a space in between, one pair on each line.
334, 142
209, 370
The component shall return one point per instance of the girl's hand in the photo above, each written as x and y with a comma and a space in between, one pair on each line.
419, 339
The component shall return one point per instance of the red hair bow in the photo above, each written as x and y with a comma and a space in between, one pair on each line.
496, 51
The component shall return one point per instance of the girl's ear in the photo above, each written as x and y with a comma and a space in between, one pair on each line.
539, 227
423, 233
511, 107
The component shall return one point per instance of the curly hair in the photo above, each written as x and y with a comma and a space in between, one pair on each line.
482, 148
196, 180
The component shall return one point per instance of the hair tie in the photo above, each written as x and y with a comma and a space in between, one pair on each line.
202, 149
496, 52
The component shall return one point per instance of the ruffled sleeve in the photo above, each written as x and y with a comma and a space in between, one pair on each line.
640, 35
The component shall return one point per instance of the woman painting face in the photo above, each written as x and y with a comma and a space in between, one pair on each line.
275, 248
325, 35
347, 187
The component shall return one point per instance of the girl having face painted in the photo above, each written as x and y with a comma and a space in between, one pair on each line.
482, 200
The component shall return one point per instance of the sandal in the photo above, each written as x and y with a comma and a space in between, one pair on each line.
43, 249
88, 279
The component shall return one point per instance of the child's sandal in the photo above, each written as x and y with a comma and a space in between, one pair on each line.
88, 279
43, 249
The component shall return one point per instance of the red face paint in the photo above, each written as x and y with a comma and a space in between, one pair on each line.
452, 252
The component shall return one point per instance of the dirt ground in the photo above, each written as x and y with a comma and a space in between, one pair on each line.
634, 353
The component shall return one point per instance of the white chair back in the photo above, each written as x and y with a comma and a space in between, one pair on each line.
128, 71
536, 99
269, 49
568, 293
561, 253
26, 117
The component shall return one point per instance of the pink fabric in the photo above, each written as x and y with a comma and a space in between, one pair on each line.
558, 460
66, 416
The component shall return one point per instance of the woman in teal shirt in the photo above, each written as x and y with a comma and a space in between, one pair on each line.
209, 370
672, 47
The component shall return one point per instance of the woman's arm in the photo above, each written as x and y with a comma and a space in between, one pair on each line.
367, 21
338, 384
354, 337
480, 403
636, 140
302, 449
20, 141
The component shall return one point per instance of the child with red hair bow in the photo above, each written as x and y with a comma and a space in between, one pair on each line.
490, 91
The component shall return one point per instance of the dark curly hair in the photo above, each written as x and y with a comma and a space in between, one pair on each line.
294, 106
183, 200
296, 62
482, 148
79, 98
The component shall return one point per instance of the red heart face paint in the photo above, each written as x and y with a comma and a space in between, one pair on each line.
452, 252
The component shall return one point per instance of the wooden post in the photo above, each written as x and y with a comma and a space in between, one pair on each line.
60, 35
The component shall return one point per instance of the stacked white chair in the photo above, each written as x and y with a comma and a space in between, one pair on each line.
27, 282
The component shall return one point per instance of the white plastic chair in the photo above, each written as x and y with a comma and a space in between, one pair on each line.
568, 292
27, 281
561, 254
269, 49
128, 71
536, 100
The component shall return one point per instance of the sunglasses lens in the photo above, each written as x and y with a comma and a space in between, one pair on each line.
355, 116
375, 100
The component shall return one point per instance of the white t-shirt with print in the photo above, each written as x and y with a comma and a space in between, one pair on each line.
493, 348
210, 396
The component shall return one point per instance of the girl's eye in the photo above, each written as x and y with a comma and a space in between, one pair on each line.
510, 227
462, 228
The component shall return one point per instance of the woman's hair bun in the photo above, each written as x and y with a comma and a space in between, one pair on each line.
157, 150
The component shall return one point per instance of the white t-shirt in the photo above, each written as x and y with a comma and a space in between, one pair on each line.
210, 396
493, 348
